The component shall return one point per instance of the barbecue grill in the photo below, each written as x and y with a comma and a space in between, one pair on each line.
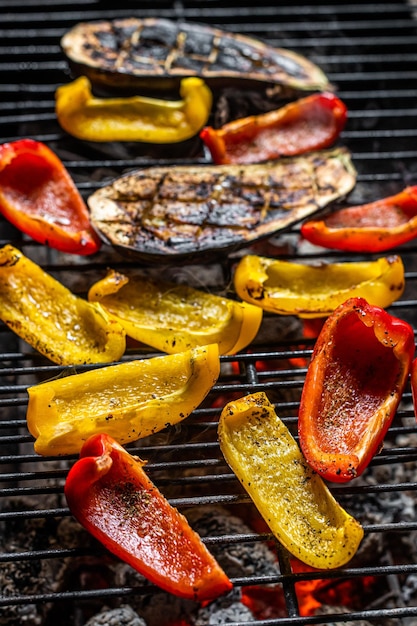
52, 572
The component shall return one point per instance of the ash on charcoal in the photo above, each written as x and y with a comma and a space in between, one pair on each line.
225, 610
329, 610
384, 507
237, 559
410, 589
28, 576
72, 535
123, 616
156, 609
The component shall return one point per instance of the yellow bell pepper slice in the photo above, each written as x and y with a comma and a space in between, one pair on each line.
174, 317
311, 291
293, 500
65, 328
134, 118
127, 401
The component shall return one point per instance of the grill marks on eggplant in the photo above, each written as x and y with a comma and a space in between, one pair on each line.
123, 52
181, 213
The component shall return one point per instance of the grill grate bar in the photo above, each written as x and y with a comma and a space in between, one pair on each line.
80, 595
211, 479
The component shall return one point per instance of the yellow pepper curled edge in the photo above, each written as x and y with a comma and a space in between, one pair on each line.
174, 317
311, 291
65, 328
293, 500
127, 401
135, 118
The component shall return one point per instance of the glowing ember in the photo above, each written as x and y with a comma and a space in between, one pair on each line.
352, 593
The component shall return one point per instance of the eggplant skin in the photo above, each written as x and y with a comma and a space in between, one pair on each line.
155, 53
188, 214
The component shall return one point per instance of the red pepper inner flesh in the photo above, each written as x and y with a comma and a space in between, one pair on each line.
295, 135
357, 378
31, 184
143, 526
376, 216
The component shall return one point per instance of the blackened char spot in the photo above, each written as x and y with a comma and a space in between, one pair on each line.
288, 198
107, 40
189, 63
154, 51
161, 35
136, 64
222, 237
181, 244
229, 58
123, 33
198, 42
234, 215
188, 212
289, 65
253, 195
182, 187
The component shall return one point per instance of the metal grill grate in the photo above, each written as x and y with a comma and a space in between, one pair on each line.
369, 51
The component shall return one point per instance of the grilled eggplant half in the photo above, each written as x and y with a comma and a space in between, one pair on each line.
187, 214
156, 53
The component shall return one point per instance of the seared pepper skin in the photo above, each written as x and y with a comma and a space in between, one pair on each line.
293, 500
354, 383
39, 197
109, 493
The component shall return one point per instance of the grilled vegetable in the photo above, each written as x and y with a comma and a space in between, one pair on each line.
65, 328
293, 500
133, 119
172, 318
373, 227
38, 196
152, 53
316, 290
128, 401
354, 383
413, 381
110, 494
310, 123
166, 214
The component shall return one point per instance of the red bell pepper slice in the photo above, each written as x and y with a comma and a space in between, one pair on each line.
413, 380
311, 123
354, 383
39, 197
109, 493
372, 227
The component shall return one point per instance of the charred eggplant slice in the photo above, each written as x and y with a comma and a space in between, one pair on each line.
165, 214
137, 53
